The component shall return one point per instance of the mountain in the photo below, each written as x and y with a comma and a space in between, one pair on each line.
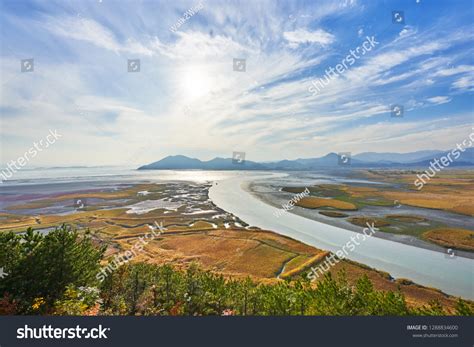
466, 158
181, 162
372, 157
229, 164
174, 162
419, 159
330, 159
285, 165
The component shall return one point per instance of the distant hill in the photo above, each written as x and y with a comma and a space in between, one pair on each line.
417, 159
175, 162
373, 157
181, 162
466, 158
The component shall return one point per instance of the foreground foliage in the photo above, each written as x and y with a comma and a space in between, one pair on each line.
56, 274
40, 267
147, 289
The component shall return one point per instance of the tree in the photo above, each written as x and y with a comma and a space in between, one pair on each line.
40, 267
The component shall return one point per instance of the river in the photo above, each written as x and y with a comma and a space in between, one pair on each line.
429, 268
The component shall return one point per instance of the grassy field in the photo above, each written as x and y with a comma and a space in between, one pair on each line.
451, 191
333, 214
364, 221
212, 239
314, 202
454, 238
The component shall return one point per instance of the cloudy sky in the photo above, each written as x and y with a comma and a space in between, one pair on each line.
187, 98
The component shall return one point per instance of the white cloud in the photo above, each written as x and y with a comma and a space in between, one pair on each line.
266, 111
454, 70
303, 36
438, 100
88, 30
465, 83
407, 31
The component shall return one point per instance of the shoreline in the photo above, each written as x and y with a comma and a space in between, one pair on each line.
404, 239
423, 266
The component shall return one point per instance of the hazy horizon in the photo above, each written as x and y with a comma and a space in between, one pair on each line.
32, 167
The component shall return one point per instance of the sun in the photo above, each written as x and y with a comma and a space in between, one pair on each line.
195, 82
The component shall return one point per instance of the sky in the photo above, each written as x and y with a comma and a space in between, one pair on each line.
188, 99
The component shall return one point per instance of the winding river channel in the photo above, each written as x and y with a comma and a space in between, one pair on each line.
454, 276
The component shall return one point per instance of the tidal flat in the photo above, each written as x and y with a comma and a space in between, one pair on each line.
439, 217
196, 231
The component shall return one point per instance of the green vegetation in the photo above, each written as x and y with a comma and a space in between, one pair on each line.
314, 202
448, 194
351, 195
333, 214
406, 218
40, 267
56, 274
363, 221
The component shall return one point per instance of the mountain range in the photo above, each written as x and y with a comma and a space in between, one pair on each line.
419, 159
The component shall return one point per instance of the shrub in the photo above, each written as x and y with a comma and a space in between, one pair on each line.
40, 267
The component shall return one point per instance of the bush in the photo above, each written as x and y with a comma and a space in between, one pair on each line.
40, 267
56, 274
146, 289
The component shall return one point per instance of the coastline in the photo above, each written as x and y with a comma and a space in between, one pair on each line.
423, 266
405, 239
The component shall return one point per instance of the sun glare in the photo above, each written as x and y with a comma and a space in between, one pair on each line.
195, 83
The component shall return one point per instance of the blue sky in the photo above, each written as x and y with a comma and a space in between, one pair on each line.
187, 99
